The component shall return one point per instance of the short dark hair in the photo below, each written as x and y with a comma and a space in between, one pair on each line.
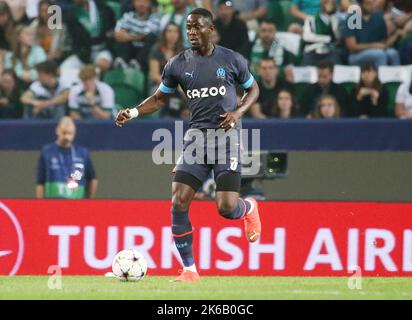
48, 67
268, 21
325, 64
202, 12
269, 59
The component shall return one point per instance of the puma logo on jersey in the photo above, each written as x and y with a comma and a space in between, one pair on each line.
206, 92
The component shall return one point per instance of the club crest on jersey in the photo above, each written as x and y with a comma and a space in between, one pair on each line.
220, 73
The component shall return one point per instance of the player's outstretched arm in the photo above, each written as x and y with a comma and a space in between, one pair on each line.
148, 106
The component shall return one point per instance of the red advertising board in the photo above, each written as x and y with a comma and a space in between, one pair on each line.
298, 238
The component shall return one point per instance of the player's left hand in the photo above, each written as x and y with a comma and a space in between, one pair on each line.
229, 120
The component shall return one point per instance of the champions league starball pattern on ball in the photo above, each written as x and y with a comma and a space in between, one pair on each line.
129, 265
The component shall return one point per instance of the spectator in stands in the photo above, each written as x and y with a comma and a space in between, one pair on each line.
321, 35
7, 27
10, 92
251, 12
370, 98
325, 85
169, 44
136, 32
327, 108
371, 42
395, 19
25, 55
403, 109
18, 9
232, 32
64, 169
285, 105
53, 41
47, 97
91, 99
269, 86
405, 44
301, 10
181, 9
267, 45
90, 25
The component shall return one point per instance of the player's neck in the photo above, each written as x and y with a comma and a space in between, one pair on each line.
206, 50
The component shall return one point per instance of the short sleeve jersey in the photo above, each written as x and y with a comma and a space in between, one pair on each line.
209, 83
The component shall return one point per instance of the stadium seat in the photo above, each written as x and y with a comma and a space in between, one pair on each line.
392, 88
302, 77
129, 86
347, 76
392, 77
129, 77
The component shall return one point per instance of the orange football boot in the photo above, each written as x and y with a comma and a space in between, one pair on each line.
253, 227
187, 276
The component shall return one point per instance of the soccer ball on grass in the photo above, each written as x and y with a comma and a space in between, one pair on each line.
129, 265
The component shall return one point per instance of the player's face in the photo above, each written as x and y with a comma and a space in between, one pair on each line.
65, 135
199, 31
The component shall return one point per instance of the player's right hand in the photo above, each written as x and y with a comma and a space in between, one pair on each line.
122, 117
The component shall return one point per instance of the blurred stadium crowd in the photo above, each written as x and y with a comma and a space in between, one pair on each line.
309, 57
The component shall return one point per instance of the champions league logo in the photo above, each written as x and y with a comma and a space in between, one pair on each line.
220, 73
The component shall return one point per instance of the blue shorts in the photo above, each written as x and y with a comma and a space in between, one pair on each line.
210, 149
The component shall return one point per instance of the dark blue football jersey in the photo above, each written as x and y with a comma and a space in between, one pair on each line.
209, 83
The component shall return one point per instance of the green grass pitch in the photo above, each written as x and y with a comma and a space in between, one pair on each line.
243, 288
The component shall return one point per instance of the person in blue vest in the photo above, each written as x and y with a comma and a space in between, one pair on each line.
65, 170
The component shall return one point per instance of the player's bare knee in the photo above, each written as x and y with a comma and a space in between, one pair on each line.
225, 208
180, 202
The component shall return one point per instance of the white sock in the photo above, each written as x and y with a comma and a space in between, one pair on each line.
191, 268
252, 206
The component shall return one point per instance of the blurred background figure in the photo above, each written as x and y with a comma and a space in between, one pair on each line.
25, 55
321, 35
232, 32
47, 97
325, 85
285, 105
404, 100
371, 42
178, 15
10, 92
267, 45
169, 44
327, 108
65, 170
91, 99
370, 98
269, 85
7, 27
136, 32
302, 10
53, 41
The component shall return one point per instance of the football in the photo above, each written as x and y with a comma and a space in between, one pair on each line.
129, 265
